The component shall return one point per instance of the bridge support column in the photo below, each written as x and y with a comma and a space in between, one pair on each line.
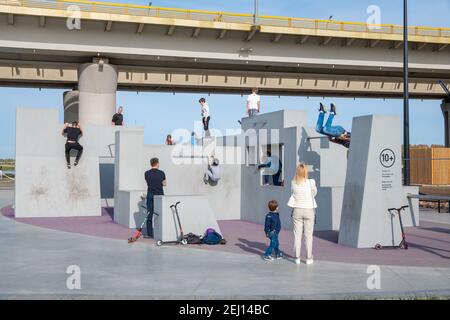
97, 84
446, 111
70, 101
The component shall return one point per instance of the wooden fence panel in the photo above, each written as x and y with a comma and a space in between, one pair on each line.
420, 165
441, 167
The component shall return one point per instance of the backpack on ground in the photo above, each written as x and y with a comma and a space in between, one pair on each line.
193, 238
212, 237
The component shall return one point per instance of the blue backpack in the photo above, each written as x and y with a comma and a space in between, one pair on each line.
212, 237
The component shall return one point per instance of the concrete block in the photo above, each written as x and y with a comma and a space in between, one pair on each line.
373, 183
44, 186
128, 209
195, 212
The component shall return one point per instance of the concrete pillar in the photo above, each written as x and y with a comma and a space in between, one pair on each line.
446, 111
70, 101
97, 84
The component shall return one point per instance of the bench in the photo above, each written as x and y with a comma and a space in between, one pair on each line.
425, 197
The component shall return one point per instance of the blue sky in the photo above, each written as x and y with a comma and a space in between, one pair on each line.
161, 113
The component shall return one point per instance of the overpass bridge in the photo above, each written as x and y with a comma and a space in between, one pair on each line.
155, 48
98, 48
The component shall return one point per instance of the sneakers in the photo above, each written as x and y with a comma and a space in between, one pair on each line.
333, 109
75, 163
68, 166
268, 258
322, 108
309, 261
279, 256
297, 261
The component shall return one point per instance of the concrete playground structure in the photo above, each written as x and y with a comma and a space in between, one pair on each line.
356, 187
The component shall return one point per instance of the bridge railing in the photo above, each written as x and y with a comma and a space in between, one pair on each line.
203, 15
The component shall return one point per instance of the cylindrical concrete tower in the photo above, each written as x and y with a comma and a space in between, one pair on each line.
97, 84
70, 101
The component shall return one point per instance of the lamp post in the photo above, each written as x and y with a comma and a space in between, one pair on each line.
406, 151
255, 14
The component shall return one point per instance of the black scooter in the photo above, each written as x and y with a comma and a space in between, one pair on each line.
403, 244
181, 239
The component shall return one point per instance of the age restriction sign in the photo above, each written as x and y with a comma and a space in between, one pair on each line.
387, 158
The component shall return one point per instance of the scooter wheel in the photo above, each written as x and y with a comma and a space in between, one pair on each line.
159, 243
378, 247
184, 242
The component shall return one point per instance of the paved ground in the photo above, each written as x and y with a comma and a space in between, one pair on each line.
34, 262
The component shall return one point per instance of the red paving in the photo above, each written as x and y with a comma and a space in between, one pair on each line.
429, 244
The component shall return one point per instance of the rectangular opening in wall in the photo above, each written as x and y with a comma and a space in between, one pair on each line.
272, 165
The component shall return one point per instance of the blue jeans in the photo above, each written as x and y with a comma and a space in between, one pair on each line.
252, 112
274, 244
328, 129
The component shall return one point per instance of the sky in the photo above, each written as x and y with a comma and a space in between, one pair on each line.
161, 113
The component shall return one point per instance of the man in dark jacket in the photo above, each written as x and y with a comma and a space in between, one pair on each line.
272, 228
72, 132
156, 180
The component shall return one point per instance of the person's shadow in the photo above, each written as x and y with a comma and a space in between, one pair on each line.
255, 247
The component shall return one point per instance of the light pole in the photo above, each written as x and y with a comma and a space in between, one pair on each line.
255, 14
406, 153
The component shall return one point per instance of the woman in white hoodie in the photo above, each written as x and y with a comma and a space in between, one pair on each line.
303, 203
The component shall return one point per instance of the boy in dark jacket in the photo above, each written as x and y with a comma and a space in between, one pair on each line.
272, 229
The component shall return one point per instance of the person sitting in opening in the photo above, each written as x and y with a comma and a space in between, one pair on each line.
117, 119
213, 173
206, 117
169, 140
272, 228
336, 134
273, 168
72, 132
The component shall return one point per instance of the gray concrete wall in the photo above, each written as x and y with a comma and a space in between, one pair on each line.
44, 186
326, 162
195, 213
183, 177
374, 184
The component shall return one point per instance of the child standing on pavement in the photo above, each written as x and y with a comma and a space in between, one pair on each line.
272, 228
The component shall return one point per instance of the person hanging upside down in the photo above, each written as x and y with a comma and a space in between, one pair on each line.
336, 134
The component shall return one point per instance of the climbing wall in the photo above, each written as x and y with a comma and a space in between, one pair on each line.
44, 185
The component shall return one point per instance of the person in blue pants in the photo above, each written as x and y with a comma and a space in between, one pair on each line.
272, 228
336, 134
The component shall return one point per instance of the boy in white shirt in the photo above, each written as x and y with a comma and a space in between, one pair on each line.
205, 115
253, 103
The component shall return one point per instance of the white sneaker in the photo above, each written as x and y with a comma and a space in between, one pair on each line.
297, 261
309, 261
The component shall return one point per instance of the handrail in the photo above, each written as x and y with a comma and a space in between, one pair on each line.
228, 17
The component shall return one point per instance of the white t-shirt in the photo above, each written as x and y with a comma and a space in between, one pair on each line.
253, 100
205, 110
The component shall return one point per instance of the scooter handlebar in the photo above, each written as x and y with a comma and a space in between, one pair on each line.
175, 205
398, 209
